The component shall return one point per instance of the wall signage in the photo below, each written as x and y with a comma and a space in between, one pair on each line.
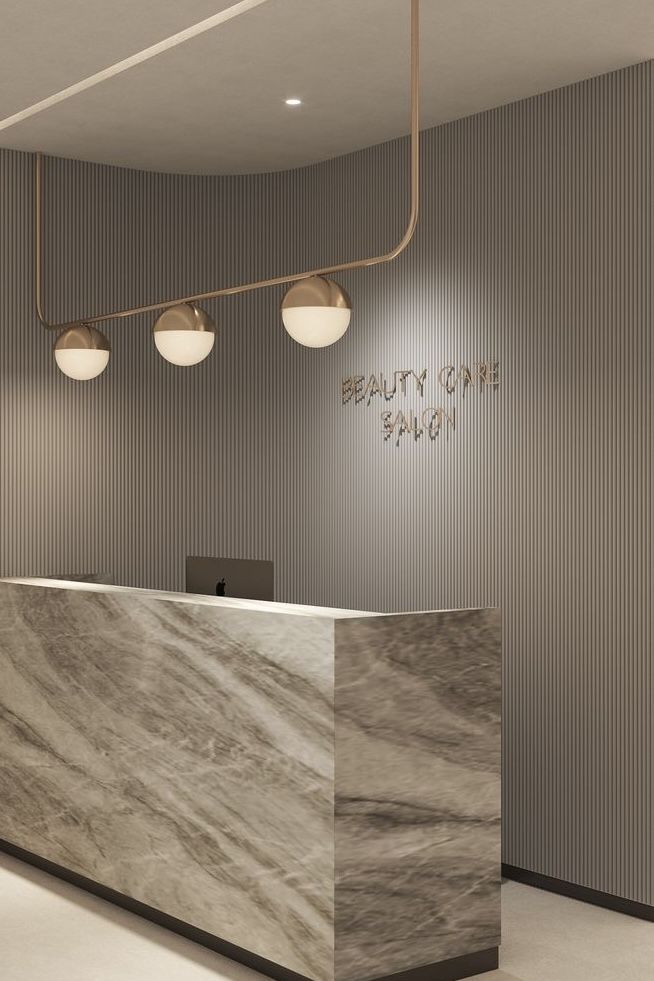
428, 420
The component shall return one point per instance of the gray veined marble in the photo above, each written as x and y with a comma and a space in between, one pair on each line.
317, 787
180, 754
417, 790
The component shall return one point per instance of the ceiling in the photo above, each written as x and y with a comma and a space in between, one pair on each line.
214, 102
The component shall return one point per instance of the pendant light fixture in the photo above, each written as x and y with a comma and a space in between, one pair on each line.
184, 334
315, 311
82, 352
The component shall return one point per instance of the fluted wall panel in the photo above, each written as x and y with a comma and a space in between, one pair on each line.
534, 249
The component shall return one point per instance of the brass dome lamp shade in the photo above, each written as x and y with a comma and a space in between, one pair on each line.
82, 352
184, 334
315, 311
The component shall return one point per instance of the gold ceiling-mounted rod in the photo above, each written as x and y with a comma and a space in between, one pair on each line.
263, 283
315, 310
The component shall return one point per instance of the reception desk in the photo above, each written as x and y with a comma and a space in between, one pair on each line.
313, 792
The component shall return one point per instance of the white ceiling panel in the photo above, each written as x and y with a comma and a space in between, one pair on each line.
46, 45
215, 104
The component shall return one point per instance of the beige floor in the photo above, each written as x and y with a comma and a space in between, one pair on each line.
50, 931
549, 938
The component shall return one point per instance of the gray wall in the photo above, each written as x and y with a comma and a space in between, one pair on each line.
535, 249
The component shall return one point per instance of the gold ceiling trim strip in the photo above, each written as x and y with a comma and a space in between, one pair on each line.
146, 54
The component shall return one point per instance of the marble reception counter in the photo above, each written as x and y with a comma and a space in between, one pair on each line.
313, 792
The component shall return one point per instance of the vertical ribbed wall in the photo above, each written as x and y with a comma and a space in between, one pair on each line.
534, 248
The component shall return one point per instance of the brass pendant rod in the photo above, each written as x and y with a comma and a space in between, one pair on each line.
262, 283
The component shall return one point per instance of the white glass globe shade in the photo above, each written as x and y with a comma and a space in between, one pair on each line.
184, 334
82, 352
316, 326
82, 365
316, 311
184, 347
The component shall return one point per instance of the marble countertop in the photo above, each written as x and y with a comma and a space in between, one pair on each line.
221, 602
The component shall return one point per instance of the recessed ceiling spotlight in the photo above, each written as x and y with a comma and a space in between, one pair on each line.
294, 102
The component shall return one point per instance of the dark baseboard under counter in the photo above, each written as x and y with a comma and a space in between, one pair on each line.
453, 969
187, 930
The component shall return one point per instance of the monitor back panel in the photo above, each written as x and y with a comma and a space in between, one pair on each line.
242, 578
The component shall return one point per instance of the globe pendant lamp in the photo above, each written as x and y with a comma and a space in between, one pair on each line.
184, 334
316, 311
82, 352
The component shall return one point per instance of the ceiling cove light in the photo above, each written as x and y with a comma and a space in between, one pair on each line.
184, 334
82, 352
315, 310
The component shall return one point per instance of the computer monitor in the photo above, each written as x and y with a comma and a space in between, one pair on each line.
242, 578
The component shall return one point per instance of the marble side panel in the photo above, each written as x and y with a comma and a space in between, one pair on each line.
178, 753
417, 790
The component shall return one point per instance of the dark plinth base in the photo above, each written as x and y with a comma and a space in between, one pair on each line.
198, 936
455, 969
451, 970
585, 895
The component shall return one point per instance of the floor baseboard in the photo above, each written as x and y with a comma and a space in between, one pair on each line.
585, 895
